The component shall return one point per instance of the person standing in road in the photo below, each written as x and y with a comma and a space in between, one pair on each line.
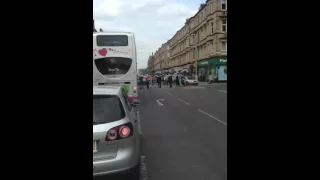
152, 79
179, 78
141, 82
183, 80
170, 80
148, 81
162, 79
159, 81
216, 78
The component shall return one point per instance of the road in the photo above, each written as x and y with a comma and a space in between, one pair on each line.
185, 137
184, 132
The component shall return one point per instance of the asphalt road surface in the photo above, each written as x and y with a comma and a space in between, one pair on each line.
184, 132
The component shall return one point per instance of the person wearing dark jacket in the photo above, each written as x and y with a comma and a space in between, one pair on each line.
141, 82
177, 80
159, 81
170, 80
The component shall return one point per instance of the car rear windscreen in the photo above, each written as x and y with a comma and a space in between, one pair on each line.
107, 108
113, 65
112, 40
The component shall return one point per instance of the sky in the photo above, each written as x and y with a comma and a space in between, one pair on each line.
153, 21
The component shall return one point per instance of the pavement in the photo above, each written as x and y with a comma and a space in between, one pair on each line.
184, 132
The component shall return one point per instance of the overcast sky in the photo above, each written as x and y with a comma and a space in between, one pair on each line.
153, 21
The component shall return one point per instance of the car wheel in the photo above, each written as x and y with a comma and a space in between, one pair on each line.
187, 83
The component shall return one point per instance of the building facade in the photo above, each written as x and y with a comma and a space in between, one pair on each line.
157, 63
202, 39
150, 67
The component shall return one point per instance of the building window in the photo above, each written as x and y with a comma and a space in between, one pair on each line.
224, 4
224, 47
212, 27
212, 8
205, 51
224, 25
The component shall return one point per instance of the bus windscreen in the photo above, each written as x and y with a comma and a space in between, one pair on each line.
112, 40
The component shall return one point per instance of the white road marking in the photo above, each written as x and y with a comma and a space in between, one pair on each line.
143, 168
169, 94
159, 103
223, 91
213, 117
183, 101
139, 122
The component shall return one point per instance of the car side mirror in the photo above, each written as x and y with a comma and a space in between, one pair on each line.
135, 102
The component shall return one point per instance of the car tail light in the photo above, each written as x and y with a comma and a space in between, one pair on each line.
112, 134
120, 132
124, 131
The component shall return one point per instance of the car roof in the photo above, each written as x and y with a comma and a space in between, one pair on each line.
107, 90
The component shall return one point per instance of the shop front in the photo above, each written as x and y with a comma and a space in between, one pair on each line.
212, 66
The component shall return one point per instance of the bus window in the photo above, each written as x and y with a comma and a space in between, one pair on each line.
113, 65
112, 40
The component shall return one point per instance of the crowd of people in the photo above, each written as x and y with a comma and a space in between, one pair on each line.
162, 79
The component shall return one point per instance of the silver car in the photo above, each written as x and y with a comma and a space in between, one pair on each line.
190, 81
116, 132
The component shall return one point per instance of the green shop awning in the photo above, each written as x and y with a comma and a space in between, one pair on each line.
212, 61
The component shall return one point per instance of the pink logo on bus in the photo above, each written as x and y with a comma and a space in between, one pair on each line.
103, 52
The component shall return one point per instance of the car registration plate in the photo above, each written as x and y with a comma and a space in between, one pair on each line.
94, 146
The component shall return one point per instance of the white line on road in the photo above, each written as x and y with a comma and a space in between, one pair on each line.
223, 91
213, 117
183, 101
143, 168
139, 122
169, 94
159, 103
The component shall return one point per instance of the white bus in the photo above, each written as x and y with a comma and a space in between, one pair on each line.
115, 61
